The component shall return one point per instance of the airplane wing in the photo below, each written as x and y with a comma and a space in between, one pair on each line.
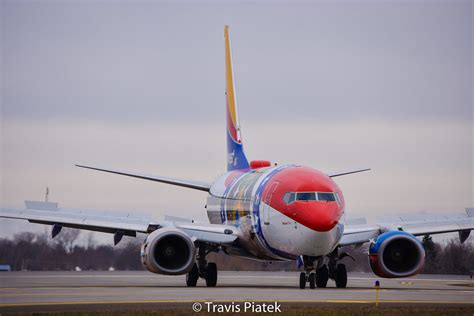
343, 173
417, 225
196, 185
49, 213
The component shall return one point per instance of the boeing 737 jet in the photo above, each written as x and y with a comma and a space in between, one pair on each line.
260, 211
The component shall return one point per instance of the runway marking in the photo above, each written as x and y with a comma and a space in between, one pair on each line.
186, 289
62, 294
221, 276
30, 291
199, 288
462, 284
234, 301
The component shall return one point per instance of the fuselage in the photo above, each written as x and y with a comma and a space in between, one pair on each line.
280, 212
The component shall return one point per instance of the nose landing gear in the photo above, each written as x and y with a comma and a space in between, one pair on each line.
203, 269
319, 278
308, 276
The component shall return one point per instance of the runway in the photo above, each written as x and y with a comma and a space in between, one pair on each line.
20, 291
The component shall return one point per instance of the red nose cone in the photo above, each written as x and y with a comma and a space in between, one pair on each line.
317, 215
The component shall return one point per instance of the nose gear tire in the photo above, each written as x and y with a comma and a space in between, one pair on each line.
302, 280
312, 280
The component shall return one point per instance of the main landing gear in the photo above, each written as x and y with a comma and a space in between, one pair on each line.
203, 269
338, 271
317, 273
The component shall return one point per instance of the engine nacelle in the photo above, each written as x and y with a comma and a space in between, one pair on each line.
396, 254
168, 251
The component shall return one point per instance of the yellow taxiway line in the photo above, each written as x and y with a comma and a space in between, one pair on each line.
232, 301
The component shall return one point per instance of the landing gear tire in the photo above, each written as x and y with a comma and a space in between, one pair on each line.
302, 280
312, 280
341, 276
192, 276
322, 276
211, 274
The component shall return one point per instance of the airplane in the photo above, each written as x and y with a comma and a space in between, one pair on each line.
263, 212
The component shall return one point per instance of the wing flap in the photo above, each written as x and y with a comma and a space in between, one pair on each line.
431, 228
50, 214
79, 219
99, 229
417, 225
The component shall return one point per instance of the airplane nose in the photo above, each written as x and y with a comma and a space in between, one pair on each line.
319, 216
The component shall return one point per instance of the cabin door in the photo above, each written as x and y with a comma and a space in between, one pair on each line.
267, 200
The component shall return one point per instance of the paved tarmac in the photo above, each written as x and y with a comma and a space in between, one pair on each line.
21, 291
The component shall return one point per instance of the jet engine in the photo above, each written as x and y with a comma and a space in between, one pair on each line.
396, 254
168, 251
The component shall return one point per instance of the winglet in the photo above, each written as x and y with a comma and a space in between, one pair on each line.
40, 205
470, 211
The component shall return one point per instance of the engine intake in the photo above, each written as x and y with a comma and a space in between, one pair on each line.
168, 251
396, 254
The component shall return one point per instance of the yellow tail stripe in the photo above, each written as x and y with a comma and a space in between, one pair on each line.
229, 77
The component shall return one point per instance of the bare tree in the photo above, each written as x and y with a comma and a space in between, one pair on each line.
432, 255
36, 252
457, 258
67, 237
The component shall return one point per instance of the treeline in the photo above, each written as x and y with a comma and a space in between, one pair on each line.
29, 251
38, 252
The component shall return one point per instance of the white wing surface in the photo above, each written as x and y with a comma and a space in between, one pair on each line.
417, 225
121, 225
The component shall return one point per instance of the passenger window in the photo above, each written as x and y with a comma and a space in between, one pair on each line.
306, 196
323, 196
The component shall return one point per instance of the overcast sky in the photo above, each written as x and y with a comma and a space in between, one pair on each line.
140, 86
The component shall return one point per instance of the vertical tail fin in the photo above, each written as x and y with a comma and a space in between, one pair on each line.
235, 152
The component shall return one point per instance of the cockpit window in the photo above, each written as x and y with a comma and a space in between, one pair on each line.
306, 196
338, 199
326, 196
290, 197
